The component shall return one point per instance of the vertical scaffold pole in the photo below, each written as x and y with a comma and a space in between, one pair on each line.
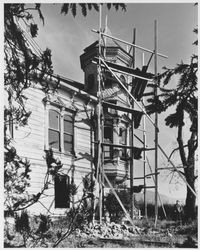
156, 124
144, 153
132, 141
99, 163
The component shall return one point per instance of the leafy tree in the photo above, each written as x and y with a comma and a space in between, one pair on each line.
23, 69
66, 7
183, 98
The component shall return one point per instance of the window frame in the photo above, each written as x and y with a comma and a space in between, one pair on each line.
66, 133
110, 148
62, 111
53, 129
124, 128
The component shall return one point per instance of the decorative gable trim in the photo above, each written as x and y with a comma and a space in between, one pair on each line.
59, 103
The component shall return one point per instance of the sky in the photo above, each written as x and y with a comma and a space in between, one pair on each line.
67, 37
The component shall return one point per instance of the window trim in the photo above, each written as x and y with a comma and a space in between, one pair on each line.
52, 129
62, 111
124, 128
72, 134
110, 151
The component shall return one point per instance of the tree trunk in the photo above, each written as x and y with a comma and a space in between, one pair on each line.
188, 163
190, 198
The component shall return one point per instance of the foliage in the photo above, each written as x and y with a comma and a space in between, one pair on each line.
40, 231
66, 7
184, 101
81, 215
22, 222
44, 225
23, 70
113, 206
22, 225
16, 179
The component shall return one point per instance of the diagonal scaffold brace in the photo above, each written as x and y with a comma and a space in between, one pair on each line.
129, 93
121, 204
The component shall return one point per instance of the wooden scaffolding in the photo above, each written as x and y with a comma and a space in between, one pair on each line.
141, 78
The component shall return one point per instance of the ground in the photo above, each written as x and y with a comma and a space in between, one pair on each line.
168, 234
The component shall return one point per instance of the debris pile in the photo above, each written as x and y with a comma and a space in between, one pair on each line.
108, 231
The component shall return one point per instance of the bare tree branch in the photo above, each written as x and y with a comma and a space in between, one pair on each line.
176, 150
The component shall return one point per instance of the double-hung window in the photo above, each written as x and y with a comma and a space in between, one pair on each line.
61, 131
68, 133
54, 130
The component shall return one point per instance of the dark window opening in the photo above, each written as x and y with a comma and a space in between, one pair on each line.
123, 80
108, 80
123, 141
108, 138
91, 82
62, 192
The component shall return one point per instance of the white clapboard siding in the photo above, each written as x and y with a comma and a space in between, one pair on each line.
30, 143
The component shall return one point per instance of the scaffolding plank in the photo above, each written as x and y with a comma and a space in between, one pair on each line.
125, 109
137, 73
137, 151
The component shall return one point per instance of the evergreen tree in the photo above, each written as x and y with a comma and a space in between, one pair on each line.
184, 99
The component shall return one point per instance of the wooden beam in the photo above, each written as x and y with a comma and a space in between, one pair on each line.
125, 109
119, 146
156, 124
131, 44
194, 193
121, 204
124, 70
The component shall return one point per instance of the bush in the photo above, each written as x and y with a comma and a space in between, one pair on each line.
113, 207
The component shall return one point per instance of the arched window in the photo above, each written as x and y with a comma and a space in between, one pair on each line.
68, 133
123, 80
54, 129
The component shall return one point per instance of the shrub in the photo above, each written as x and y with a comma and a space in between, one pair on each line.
113, 206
